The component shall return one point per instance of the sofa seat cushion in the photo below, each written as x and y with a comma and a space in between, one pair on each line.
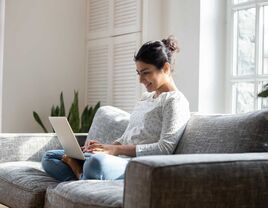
86, 193
23, 184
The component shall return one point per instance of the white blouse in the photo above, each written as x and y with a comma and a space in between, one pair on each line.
156, 124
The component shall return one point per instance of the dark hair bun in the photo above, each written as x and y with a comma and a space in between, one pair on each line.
158, 52
172, 44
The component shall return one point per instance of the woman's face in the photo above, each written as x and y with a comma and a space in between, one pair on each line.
151, 77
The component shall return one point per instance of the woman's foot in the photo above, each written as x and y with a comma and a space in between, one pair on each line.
74, 164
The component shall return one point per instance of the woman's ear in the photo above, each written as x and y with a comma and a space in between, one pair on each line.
166, 68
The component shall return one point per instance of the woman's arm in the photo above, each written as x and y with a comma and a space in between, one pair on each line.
127, 149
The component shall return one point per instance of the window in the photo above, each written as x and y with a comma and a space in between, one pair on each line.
248, 55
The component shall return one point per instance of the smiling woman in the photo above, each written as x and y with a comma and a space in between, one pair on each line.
155, 125
155, 63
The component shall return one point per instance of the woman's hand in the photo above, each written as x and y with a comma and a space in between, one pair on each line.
116, 148
88, 143
105, 148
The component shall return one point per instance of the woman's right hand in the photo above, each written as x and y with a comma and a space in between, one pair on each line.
88, 143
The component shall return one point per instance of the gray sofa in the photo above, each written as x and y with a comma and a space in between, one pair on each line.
220, 162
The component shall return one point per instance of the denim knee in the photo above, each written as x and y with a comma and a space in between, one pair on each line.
45, 160
49, 156
104, 167
52, 164
92, 168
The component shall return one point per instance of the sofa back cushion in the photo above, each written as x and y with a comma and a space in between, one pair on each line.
109, 123
229, 133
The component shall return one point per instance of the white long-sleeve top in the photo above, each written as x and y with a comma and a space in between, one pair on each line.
156, 124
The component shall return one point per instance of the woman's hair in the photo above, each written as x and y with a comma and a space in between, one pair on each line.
158, 52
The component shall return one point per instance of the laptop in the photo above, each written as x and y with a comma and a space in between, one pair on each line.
67, 138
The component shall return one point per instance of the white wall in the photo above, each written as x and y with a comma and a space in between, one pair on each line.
212, 56
183, 22
44, 54
152, 20
199, 26
2, 18
180, 18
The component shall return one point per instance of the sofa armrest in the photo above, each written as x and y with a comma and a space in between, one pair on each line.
19, 147
197, 180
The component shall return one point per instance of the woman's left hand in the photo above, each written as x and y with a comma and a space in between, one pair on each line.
105, 148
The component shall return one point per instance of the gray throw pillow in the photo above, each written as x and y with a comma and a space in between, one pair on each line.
108, 124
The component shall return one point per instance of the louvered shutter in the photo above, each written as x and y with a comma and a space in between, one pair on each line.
114, 34
98, 79
99, 18
126, 89
126, 16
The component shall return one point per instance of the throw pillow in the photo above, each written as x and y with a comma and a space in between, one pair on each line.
108, 124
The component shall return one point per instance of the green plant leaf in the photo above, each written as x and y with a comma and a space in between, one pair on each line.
57, 111
52, 112
90, 117
95, 109
87, 117
264, 93
73, 116
92, 113
85, 120
38, 120
62, 107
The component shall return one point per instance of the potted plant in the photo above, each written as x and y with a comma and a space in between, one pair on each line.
77, 123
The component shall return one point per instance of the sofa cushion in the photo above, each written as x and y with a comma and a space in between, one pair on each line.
86, 194
23, 184
30, 147
235, 133
109, 123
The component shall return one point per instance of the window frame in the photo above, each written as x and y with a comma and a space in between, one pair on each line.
256, 77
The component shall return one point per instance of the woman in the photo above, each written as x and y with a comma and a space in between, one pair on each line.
155, 125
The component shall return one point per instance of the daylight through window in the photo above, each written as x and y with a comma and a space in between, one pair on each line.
249, 61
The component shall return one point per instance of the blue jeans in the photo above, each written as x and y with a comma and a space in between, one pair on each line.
96, 166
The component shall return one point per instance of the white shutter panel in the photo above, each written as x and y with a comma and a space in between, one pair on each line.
126, 16
126, 89
99, 18
98, 63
